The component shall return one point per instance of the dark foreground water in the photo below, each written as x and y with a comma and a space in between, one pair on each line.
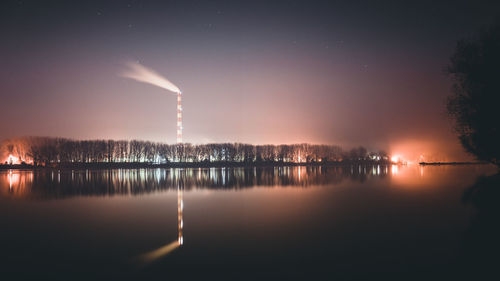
307, 223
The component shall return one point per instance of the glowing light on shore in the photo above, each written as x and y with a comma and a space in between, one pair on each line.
395, 158
12, 159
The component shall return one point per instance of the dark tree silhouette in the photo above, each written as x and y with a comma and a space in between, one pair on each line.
42, 151
475, 69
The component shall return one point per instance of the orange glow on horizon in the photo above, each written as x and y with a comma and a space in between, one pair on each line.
12, 159
396, 158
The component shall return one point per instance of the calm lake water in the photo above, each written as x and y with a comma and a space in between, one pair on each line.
309, 223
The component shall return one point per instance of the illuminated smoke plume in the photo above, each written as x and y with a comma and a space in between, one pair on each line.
143, 74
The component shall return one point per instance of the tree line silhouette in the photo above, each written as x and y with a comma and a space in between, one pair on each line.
42, 151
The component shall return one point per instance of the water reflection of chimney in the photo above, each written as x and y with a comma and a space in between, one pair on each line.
180, 221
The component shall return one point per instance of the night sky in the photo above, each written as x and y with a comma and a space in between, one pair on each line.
348, 73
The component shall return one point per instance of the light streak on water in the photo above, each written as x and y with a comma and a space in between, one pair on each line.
154, 255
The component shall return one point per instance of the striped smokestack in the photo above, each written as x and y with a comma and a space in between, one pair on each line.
179, 117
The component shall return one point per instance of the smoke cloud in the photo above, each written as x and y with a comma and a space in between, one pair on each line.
141, 73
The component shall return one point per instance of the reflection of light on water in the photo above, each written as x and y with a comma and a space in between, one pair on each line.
33, 184
13, 178
394, 169
419, 177
180, 221
10, 179
156, 254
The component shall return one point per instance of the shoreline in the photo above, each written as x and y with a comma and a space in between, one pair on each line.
451, 163
222, 164
142, 165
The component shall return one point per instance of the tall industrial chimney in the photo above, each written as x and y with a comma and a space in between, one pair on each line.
146, 75
179, 118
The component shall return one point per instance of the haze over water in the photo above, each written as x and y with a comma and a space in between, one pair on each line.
245, 223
